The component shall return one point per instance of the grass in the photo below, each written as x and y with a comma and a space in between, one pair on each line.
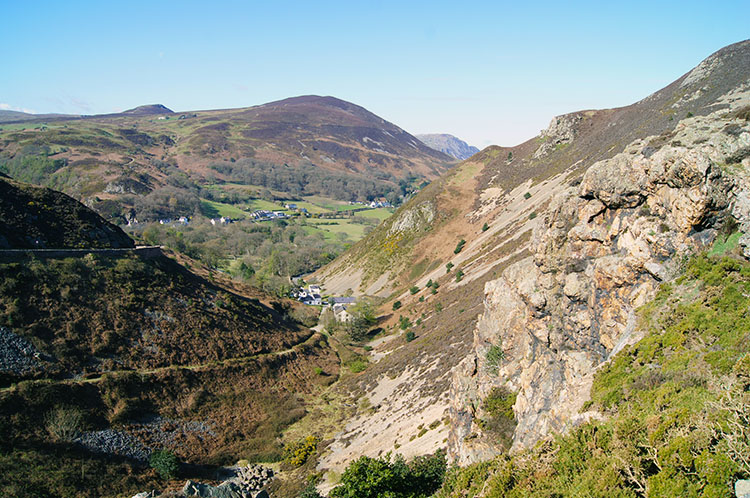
220, 209
331, 228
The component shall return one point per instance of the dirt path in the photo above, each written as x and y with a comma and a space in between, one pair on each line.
230, 361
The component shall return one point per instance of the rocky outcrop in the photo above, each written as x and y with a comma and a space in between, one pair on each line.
561, 130
601, 252
247, 482
418, 218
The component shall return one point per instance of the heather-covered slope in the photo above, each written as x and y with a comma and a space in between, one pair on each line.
106, 356
38, 218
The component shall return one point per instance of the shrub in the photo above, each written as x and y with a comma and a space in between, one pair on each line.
494, 356
357, 365
527, 195
404, 322
485, 227
298, 453
413, 289
459, 275
396, 305
448, 267
380, 477
438, 307
64, 423
459, 246
410, 336
165, 463
532, 215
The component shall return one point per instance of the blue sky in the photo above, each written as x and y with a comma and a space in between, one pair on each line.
488, 72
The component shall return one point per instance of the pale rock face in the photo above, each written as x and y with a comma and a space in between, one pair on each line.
561, 130
600, 253
416, 218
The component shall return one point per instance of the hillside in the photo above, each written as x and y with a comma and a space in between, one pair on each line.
38, 218
504, 222
448, 144
299, 146
107, 356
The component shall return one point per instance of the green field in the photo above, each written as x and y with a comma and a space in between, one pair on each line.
214, 209
331, 228
377, 213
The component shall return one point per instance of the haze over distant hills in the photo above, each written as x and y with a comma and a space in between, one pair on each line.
448, 144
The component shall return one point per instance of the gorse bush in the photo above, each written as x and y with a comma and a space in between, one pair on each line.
298, 453
385, 478
165, 463
459, 246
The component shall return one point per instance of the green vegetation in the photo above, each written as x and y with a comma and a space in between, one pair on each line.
527, 195
165, 463
413, 289
382, 477
485, 227
459, 246
494, 357
532, 215
396, 305
677, 405
410, 335
459, 275
448, 267
298, 453
500, 421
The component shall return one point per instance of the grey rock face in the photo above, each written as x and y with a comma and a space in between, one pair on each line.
601, 252
246, 483
448, 144
561, 130
742, 488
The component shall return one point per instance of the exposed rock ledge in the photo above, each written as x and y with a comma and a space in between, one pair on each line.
601, 252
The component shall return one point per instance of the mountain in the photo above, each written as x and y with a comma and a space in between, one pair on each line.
147, 110
299, 146
520, 271
448, 144
17, 116
109, 352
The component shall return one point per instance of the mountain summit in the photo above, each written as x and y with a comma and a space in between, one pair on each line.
448, 144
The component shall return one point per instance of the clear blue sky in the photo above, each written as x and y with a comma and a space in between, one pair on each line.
488, 72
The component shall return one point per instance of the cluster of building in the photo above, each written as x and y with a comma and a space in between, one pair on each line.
222, 221
268, 215
380, 202
182, 220
311, 296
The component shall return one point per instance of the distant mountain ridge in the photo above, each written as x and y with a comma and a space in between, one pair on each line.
448, 144
307, 145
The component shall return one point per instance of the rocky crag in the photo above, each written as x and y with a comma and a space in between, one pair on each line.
604, 246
